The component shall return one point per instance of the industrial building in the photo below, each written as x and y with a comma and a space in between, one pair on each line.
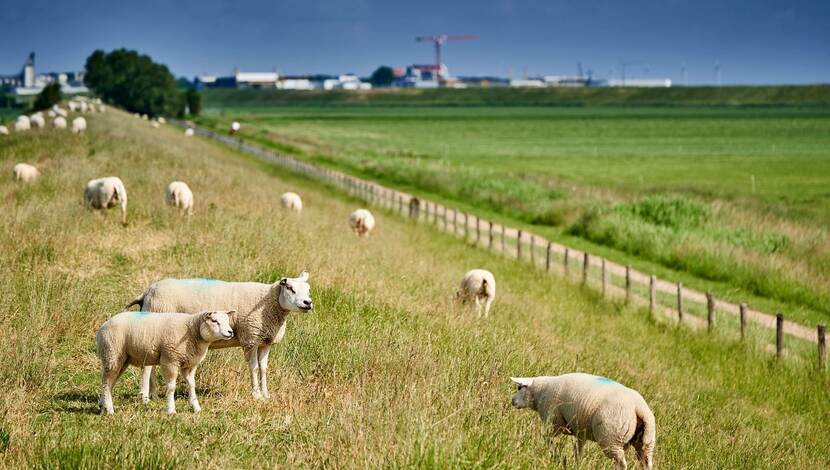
273, 80
27, 82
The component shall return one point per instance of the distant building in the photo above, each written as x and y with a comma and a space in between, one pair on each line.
527, 83
239, 80
642, 82
295, 84
567, 81
27, 82
422, 76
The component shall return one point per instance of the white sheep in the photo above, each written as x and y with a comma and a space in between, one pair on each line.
51, 113
362, 222
105, 193
235, 126
155, 124
37, 120
161, 120
189, 132
174, 341
78, 125
83, 107
477, 286
592, 408
59, 122
101, 108
178, 194
144, 116
291, 201
4, 130
23, 123
25, 172
262, 310
73, 106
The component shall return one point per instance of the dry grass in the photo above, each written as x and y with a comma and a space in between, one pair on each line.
386, 372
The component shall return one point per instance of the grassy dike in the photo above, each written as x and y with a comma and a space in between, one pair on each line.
385, 372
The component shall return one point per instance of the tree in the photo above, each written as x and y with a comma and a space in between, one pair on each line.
382, 76
49, 96
194, 101
134, 82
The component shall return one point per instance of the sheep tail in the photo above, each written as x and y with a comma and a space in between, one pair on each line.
137, 301
648, 434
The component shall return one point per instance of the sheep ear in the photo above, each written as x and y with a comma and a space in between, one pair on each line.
284, 281
526, 381
206, 315
303, 276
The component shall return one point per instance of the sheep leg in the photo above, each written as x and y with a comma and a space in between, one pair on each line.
147, 387
190, 377
253, 366
578, 444
263, 369
478, 307
170, 372
644, 455
487, 304
108, 378
617, 454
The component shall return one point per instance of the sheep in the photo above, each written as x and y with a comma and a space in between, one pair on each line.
78, 125
155, 124
59, 111
105, 193
291, 201
25, 172
362, 222
178, 194
4, 130
22, 124
83, 107
101, 108
51, 113
175, 341
73, 106
478, 285
161, 120
234, 128
262, 310
37, 120
592, 408
189, 132
59, 122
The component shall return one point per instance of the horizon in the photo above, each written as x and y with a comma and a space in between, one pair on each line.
752, 43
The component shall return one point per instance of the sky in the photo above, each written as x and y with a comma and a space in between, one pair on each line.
753, 41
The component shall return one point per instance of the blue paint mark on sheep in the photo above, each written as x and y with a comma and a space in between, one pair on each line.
604, 380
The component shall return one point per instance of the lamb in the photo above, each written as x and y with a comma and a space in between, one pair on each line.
291, 201
4, 130
175, 341
105, 193
592, 408
78, 125
262, 310
59, 122
22, 124
477, 285
178, 194
189, 132
362, 222
25, 172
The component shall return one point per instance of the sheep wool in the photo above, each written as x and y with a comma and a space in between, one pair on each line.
178, 194
592, 408
262, 310
37, 120
106, 193
4, 130
59, 122
362, 222
189, 132
23, 123
78, 125
25, 172
175, 341
478, 287
291, 201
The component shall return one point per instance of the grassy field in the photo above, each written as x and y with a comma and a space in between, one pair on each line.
731, 200
385, 372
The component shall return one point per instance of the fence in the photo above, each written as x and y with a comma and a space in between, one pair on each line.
672, 300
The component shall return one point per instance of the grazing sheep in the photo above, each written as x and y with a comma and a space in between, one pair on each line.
362, 222
73, 106
83, 107
59, 111
189, 132
101, 108
51, 113
161, 120
592, 408
105, 193
478, 285
234, 128
175, 341
59, 122
4, 130
155, 124
178, 194
37, 120
292, 201
78, 125
262, 310
25, 172
144, 116
22, 124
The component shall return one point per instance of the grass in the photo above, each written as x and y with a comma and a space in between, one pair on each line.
385, 372
569, 173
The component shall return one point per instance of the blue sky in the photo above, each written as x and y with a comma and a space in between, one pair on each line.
760, 41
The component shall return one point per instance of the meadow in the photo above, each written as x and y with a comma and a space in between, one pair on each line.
731, 200
386, 372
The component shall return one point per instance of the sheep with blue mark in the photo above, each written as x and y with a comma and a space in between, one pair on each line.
174, 341
592, 408
260, 322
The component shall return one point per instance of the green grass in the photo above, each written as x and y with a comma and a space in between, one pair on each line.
570, 174
385, 372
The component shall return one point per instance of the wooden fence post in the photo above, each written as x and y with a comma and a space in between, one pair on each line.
435, 214
710, 310
400, 204
490, 230
585, 268
455, 222
532, 249
604, 277
779, 334
742, 308
565, 260
519, 246
679, 302
414, 208
466, 227
547, 259
652, 293
503, 250
478, 230
822, 348
627, 283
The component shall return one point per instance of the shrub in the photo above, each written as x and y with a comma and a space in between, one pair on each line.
48, 97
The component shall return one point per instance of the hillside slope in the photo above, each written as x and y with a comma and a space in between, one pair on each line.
384, 372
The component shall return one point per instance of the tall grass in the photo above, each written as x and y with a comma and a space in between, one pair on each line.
385, 372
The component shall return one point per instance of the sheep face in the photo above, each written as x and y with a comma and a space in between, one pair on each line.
216, 326
295, 293
524, 396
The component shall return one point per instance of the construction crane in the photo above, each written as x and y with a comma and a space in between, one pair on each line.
439, 40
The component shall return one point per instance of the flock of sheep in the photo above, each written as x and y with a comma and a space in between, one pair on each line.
211, 314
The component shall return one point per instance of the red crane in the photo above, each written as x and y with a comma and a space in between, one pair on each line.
438, 41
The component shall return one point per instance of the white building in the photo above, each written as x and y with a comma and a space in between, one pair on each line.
295, 84
642, 82
527, 83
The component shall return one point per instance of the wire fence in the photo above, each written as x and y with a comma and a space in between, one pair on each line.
698, 310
